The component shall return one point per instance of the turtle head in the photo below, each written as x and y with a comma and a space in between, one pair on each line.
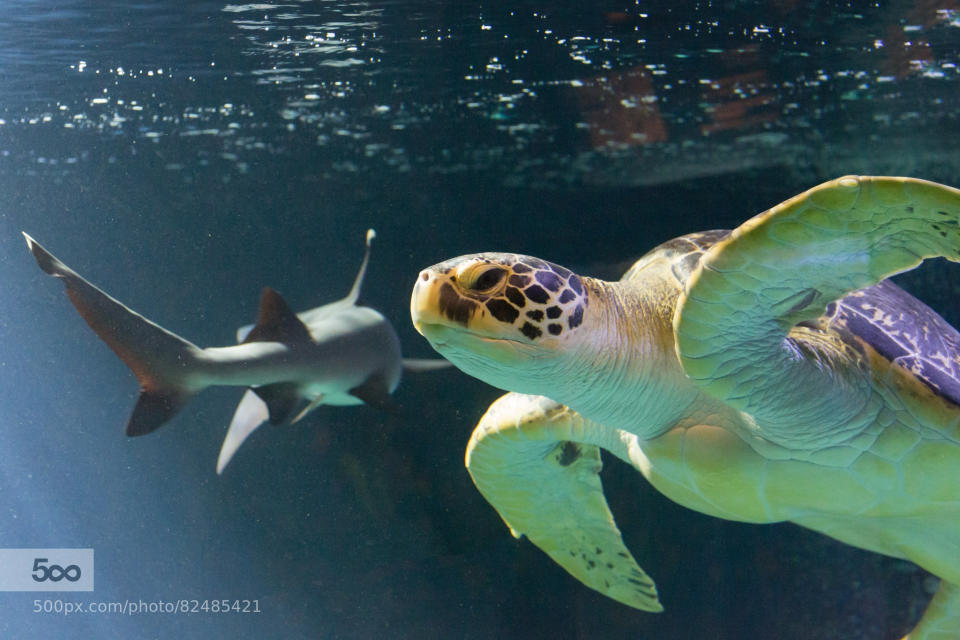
500, 317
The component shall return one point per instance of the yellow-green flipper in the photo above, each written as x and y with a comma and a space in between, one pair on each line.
784, 267
551, 493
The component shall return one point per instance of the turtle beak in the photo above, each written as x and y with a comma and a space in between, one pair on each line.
437, 310
424, 302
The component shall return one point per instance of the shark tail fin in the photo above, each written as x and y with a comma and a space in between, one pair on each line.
154, 408
162, 361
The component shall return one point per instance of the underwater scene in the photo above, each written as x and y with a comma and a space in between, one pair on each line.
195, 174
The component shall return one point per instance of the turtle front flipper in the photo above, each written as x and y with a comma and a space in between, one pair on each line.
735, 323
531, 458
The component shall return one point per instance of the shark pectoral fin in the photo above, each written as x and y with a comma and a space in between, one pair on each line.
153, 408
417, 365
276, 322
250, 414
316, 402
281, 398
358, 281
374, 392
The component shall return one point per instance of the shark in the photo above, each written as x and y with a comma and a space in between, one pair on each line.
340, 354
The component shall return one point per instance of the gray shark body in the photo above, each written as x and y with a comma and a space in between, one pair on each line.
336, 354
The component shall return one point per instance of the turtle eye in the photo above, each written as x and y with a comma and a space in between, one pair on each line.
489, 279
481, 279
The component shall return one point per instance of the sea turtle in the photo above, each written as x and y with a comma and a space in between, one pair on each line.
766, 374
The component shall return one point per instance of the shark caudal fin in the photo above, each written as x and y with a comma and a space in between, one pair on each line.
161, 360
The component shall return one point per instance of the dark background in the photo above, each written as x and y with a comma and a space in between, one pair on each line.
251, 145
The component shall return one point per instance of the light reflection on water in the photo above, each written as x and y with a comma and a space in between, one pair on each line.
614, 97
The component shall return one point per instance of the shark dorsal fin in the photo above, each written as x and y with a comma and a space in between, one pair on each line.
276, 322
358, 281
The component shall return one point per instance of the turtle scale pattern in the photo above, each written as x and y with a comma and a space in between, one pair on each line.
535, 296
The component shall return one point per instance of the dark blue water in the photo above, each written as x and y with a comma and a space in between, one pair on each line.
184, 155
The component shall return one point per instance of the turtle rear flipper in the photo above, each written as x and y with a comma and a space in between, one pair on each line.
531, 459
733, 323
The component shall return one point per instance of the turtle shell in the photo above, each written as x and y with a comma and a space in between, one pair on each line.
894, 323
905, 331
683, 253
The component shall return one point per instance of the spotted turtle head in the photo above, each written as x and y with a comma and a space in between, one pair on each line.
489, 312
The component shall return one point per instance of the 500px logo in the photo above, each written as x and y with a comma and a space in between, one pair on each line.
46, 569
54, 572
